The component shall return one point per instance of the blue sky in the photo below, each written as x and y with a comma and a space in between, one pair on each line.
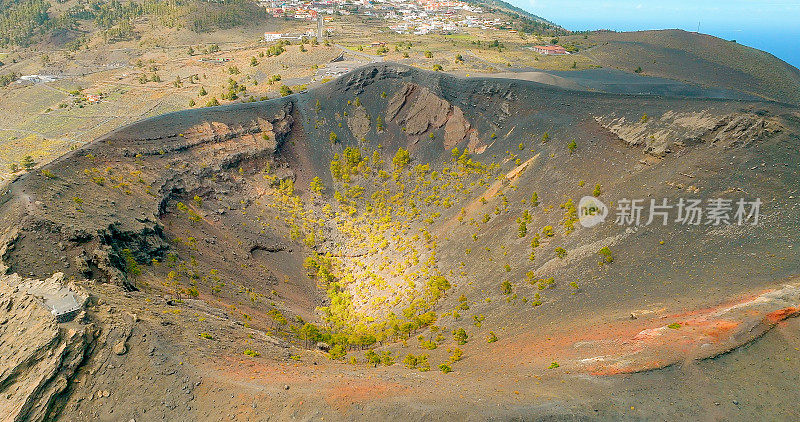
773, 26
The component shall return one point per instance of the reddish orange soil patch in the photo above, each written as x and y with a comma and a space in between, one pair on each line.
708, 333
346, 393
720, 330
262, 370
339, 391
625, 346
781, 314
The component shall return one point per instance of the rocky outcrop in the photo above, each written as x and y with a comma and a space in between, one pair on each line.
456, 128
103, 254
697, 335
38, 356
660, 136
221, 145
212, 132
358, 122
418, 110
130, 178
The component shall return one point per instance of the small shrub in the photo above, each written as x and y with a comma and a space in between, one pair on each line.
460, 336
401, 159
131, 266
572, 146
534, 199
505, 287
428, 344
27, 162
372, 357
456, 355
410, 361
608, 256
337, 352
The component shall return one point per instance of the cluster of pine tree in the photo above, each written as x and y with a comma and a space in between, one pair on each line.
23, 22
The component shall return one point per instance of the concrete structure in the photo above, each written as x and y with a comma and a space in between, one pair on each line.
65, 307
38, 79
60, 300
215, 59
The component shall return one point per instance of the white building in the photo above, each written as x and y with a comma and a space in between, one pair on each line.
38, 79
272, 36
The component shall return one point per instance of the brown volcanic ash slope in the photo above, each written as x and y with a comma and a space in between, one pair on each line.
193, 229
697, 58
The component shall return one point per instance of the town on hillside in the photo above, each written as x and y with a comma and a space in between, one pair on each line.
419, 17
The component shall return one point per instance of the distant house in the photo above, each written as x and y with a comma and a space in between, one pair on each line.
306, 14
550, 50
93, 98
272, 36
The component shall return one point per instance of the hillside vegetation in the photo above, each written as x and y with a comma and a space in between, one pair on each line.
24, 22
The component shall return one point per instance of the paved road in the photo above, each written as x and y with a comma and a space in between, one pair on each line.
363, 55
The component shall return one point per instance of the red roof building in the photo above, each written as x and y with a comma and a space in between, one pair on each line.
554, 50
